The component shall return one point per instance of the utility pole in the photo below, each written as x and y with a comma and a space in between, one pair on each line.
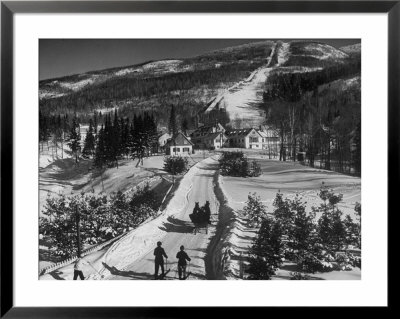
78, 230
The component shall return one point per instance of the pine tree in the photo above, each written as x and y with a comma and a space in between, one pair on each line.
302, 234
356, 154
283, 213
266, 254
116, 139
44, 129
108, 140
95, 122
172, 125
74, 138
138, 143
331, 229
65, 129
125, 136
357, 209
254, 210
100, 157
185, 126
89, 145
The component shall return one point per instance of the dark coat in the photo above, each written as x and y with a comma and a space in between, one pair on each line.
159, 252
182, 257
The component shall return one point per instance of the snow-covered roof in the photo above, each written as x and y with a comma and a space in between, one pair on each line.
179, 140
239, 132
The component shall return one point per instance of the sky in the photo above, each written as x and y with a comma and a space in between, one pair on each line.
60, 57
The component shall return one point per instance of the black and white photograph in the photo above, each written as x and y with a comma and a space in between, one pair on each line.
199, 159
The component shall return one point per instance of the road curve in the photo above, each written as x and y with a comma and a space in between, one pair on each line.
178, 230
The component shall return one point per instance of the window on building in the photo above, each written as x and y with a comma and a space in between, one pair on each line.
176, 149
185, 142
186, 149
253, 139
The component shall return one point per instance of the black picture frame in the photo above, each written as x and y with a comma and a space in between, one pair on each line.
9, 8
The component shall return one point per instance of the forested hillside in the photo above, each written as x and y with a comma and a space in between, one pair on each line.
311, 95
317, 111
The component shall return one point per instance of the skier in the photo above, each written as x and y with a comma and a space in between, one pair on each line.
159, 252
78, 267
182, 257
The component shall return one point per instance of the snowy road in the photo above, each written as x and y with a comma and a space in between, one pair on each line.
175, 229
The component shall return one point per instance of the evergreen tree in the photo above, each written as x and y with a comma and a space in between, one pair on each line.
125, 136
266, 254
99, 155
283, 213
172, 124
74, 138
89, 145
65, 128
116, 139
331, 229
356, 154
138, 143
357, 209
302, 234
95, 122
44, 129
185, 126
254, 210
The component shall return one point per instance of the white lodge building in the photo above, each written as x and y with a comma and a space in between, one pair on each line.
244, 138
215, 140
179, 145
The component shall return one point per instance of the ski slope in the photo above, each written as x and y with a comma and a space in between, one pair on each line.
242, 100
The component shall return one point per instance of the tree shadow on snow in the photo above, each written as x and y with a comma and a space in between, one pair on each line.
56, 275
131, 274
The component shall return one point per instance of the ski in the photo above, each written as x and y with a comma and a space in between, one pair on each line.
186, 277
161, 277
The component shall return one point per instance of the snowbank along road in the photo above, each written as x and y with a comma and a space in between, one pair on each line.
132, 256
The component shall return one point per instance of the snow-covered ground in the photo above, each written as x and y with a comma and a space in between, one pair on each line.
76, 86
298, 69
43, 94
65, 177
290, 179
283, 53
351, 49
131, 256
160, 67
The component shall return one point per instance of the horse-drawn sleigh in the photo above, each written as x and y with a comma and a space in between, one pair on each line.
201, 217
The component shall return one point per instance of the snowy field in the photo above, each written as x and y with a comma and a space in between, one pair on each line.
290, 179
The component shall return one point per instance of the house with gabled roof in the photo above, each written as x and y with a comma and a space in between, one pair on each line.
244, 138
179, 144
162, 140
270, 139
208, 136
214, 140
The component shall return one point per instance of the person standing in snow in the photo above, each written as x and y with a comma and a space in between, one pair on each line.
182, 257
159, 252
78, 267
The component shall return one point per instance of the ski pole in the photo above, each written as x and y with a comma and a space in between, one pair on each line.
101, 276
